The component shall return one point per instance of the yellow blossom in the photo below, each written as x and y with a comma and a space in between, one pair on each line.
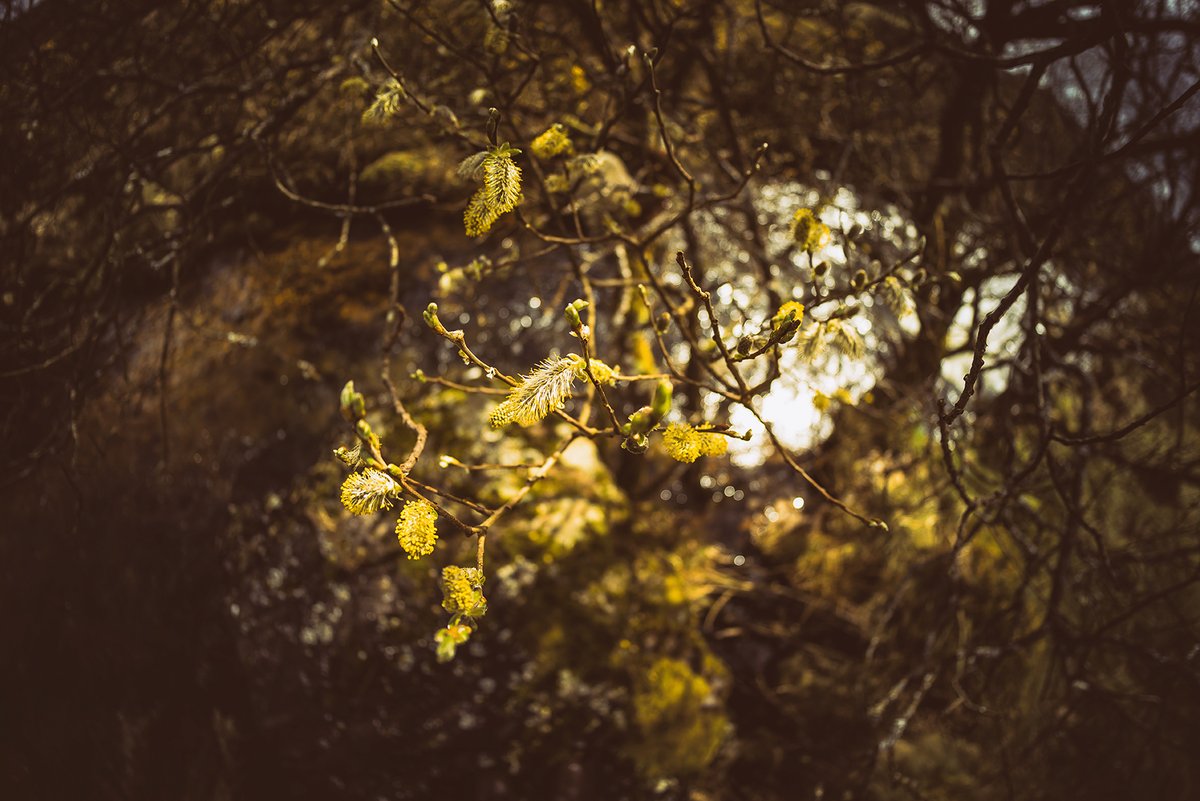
500, 191
845, 337
462, 591
808, 231
579, 79
386, 103
684, 443
351, 457
786, 322
417, 528
604, 374
792, 311
713, 444
551, 142
368, 491
540, 392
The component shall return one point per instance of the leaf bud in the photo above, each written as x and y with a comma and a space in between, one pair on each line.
572, 311
661, 404
430, 316
354, 406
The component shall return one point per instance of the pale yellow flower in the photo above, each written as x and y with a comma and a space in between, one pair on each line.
462, 591
808, 231
540, 392
417, 528
684, 443
368, 491
551, 142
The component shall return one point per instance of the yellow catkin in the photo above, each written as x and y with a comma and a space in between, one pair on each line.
540, 392
808, 231
603, 373
684, 443
500, 192
551, 142
368, 491
579, 80
713, 444
417, 528
792, 311
479, 216
386, 104
462, 592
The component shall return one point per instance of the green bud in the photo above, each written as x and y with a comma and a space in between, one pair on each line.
431, 318
572, 311
640, 422
354, 406
661, 405
351, 457
370, 440
859, 280
449, 638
